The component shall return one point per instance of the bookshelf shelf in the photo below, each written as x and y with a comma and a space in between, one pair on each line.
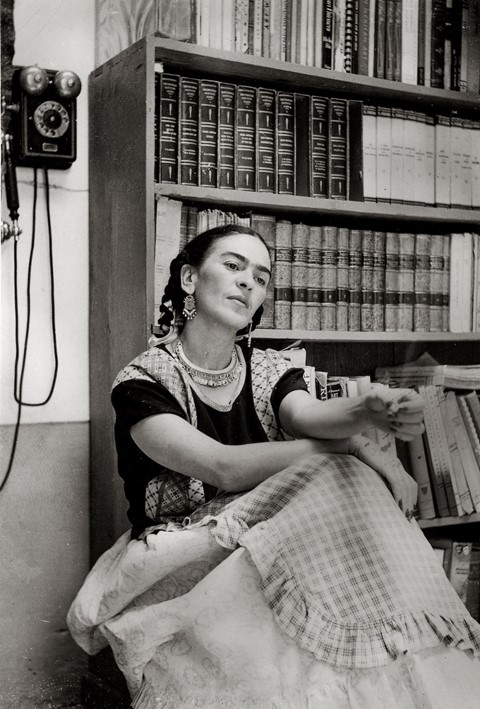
288, 204
337, 336
449, 521
246, 67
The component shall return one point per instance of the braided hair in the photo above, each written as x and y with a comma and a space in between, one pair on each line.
194, 253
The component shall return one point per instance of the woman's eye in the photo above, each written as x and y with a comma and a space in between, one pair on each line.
261, 281
232, 266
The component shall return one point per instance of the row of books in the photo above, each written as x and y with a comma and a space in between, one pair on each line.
217, 134
461, 563
427, 42
411, 157
339, 279
445, 461
232, 136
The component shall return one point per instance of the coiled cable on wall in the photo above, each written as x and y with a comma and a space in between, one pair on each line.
21, 356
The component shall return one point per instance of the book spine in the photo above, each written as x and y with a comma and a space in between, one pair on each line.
421, 44
168, 128
419, 470
436, 283
409, 41
446, 284
409, 157
428, 43
188, 134
337, 149
364, 9
183, 227
156, 127
245, 142
447, 45
406, 282
473, 584
327, 38
470, 466
384, 155
429, 160
380, 23
266, 27
392, 266
463, 500
257, 28
283, 275
339, 8
366, 308
438, 44
459, 568
328, 278
349, 35
264, 224
420, 164
457, 185
378, 281
453, 479
442, 161
302, 32
475, 158
285, 142
342, 278
318, 35
435, 435
192, 223
300, 239
303, 145
318, 132
167, 242
369, 153
354, 279
459, 17
241, 26
355, 169
266, 121
389, 39
228, 26
208, 132
276, 14
396, 174
356, 20
313, 279
226, 136
421, 306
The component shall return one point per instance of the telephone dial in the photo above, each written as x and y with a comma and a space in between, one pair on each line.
43, 122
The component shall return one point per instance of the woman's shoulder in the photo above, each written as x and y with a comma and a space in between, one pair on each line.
151, 365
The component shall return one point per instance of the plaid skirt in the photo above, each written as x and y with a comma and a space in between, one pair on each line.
349, 582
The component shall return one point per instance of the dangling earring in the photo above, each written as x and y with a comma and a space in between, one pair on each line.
249, 335
189, 307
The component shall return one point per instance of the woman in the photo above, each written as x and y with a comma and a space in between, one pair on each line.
270, 564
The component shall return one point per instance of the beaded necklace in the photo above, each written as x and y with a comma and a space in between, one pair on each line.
208, 377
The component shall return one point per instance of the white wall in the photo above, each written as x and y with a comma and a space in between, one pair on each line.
55, 34
44, 507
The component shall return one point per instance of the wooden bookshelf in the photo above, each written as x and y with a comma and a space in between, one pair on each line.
122, 238
439, 522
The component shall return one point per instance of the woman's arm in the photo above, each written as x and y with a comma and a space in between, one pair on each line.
399, 411
173, 442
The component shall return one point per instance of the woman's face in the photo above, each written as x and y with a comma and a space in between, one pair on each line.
231, 283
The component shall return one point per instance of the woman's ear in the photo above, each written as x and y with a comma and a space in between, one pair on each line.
188, 278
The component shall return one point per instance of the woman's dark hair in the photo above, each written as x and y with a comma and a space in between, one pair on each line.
194, 253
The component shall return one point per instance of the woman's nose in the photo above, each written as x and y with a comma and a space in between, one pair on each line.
245, 280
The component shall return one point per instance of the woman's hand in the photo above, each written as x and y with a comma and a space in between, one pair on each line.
403, 487
398, 411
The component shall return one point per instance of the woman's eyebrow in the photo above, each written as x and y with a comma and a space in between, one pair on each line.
243, 259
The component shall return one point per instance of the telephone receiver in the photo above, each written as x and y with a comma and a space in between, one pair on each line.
43, 117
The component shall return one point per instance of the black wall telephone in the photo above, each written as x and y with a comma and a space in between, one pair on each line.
43, 126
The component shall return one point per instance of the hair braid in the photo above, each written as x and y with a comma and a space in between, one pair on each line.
172, 300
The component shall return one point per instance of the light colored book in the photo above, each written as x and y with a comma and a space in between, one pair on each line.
438, 452
397, 129
369, 153
460, 282
473, 403
442, 161
475, 163
167, 243
429, 196
409, 156
228, 25
419, 471
470, 466
461, 491
409, 64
